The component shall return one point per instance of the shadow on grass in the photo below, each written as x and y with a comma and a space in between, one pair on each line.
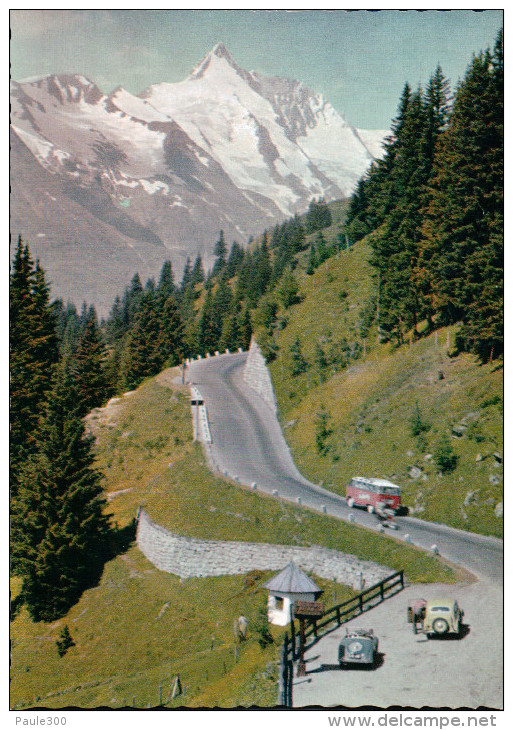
16, 604
122, 538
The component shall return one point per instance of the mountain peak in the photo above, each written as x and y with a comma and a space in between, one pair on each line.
219, 51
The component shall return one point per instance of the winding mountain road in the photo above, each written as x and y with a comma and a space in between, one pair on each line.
248, 446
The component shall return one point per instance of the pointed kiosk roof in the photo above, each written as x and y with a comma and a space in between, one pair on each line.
292, 580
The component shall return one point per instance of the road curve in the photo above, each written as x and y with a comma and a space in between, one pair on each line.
248, 445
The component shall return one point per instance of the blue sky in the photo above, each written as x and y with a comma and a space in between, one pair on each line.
358, 60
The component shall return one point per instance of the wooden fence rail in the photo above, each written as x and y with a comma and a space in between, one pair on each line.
338, 614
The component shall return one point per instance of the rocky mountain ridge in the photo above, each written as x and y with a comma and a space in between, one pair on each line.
106, 185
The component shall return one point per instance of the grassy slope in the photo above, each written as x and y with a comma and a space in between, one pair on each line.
371, 402
140, 627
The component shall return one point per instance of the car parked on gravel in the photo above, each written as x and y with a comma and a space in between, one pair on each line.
442, 616
359, 646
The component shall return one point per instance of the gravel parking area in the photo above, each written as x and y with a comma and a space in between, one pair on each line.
413, 671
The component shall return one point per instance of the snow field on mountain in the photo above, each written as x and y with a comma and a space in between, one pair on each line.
136, 107
246, 140
41, 148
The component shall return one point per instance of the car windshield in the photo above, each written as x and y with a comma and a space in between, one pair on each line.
359, 632
364, 641
395, 491
440, 608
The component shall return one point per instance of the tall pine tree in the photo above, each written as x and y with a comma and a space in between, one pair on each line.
60, 533
166, 284
86, 365
220, 251
460, 262
33, 354
143, 353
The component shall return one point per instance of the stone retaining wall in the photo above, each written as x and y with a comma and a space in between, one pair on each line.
257, 376
189, 557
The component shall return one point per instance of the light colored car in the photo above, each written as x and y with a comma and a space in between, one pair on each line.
442, 616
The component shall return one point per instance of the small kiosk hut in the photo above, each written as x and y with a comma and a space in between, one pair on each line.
285, 588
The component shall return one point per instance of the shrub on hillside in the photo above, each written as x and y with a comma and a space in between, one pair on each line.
64, 642
417, 423
444, 456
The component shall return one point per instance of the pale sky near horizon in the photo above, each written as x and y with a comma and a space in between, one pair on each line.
360, 60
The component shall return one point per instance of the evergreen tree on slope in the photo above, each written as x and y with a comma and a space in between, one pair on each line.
60, 533
373, 198
198, 272
166, 284
33, 354
396, 243
141, 355
171, 335
87, 363
460, 261
220, 251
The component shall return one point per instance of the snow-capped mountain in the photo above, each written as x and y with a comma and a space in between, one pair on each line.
106, 185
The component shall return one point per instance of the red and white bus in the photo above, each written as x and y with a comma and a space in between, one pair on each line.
366, 492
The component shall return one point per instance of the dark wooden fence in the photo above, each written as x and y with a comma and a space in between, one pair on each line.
337, 615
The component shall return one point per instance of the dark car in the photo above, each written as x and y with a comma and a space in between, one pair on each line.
359, 646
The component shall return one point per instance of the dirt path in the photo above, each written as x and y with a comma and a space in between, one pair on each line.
415, 671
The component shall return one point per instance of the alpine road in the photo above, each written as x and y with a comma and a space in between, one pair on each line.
248, 447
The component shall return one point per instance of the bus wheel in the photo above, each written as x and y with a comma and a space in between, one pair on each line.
350, 502
370, 509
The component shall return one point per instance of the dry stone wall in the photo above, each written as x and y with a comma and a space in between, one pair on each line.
257, 376
189, 557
